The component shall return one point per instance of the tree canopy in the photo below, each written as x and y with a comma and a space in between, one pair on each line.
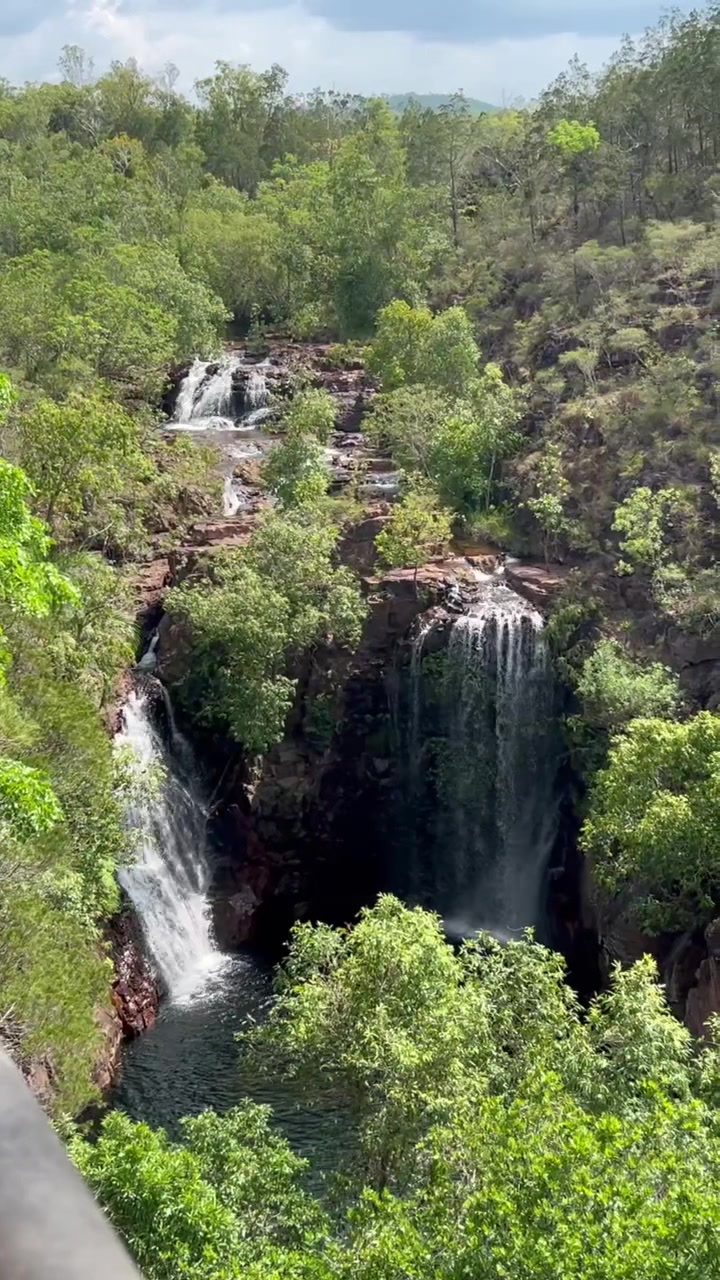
494, 1129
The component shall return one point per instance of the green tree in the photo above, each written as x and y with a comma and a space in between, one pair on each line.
311, 412
407, 421
413, 347
296, 472
240, 125
490, 1126
613, 689
652, 825
644, 519
385, 235
417, 528
549, 505
226, 1201
474, 440
80, 455
257, 609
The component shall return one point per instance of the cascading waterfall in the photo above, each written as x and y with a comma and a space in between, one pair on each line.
188, 391
215, 396
492, 817
167, 883
256, 392
212, 393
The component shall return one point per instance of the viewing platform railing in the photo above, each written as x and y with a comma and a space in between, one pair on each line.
51, 1228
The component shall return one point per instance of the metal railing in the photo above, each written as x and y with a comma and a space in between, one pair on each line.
50, 1226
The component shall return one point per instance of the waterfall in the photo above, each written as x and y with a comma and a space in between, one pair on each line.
256, 392
189, 388
484, 836
168, 881
231, 500
212, 393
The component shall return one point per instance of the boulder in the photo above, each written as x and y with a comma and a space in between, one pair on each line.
689, 650
536, 582
174, 650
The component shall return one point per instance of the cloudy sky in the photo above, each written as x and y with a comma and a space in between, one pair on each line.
493, 49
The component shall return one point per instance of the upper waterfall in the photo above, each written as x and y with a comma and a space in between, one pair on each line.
483, 762
218, 393
168, 881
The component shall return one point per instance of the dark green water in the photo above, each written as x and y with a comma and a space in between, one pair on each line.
190, 1061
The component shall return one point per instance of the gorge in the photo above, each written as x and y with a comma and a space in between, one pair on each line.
359, 608
446, 740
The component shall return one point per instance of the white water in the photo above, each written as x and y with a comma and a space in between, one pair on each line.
497, 768
189, 388
168, 881
231, 500
256, 392
207, 400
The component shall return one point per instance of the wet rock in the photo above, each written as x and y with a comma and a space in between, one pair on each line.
357, 545
704, 999
135, 994
174, 650
108, 1060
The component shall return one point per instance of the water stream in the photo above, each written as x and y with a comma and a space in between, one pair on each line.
221, 395
482, 767
168, 881
478, 826
190, 1059
225, 402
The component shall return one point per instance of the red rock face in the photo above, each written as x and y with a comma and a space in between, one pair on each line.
135, 995
535, 582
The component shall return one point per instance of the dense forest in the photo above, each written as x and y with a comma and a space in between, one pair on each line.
535, 294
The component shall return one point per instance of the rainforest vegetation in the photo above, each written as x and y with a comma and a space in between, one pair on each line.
535, 293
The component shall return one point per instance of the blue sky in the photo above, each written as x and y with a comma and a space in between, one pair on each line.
493, 50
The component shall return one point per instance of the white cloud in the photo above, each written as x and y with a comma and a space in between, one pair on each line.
312, 50
126, 34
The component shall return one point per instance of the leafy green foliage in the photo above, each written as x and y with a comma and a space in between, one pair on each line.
103, 317
652, 825
444, 420
473, 441
62, 828
418, 527
226, 1200
80, 455
494, 1129
296, 472
28, 804
27, 580
643, 519
573, 139
311, 412
259, 606
412, 347
549, 504
614, 690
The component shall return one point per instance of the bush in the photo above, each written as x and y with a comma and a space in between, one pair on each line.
653, 824
614, 689
259, 608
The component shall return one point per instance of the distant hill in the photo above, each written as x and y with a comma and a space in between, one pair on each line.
399, 101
